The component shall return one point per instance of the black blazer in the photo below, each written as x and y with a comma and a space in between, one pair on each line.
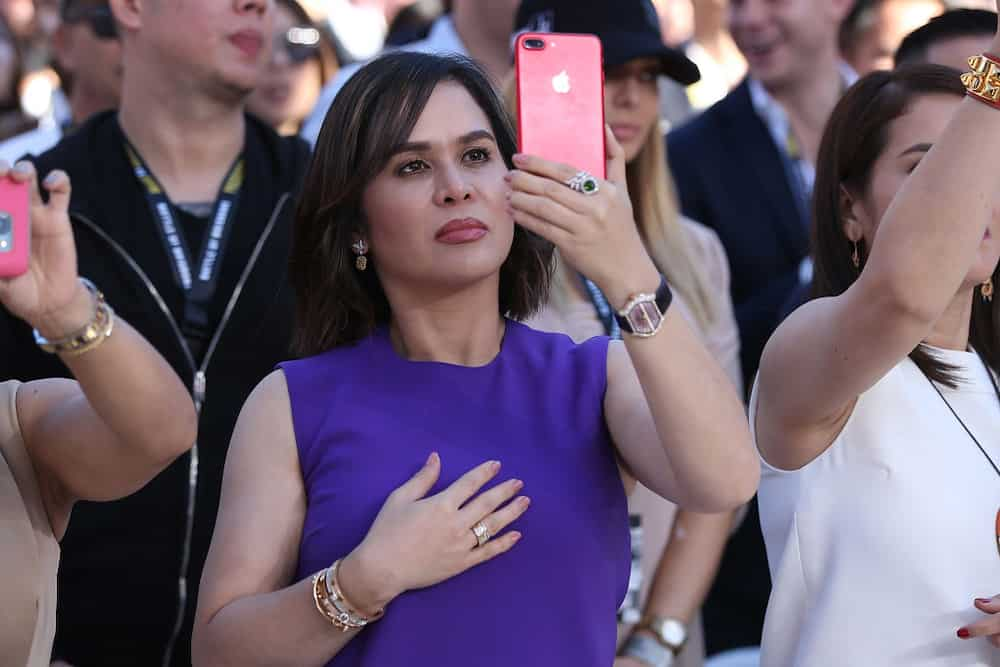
731, 177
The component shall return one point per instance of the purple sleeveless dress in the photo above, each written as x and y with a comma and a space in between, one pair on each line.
365, 421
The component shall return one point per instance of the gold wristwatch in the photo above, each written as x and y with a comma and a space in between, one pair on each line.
671, 633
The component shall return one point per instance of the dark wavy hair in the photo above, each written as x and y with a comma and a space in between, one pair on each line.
372, 116
855, 136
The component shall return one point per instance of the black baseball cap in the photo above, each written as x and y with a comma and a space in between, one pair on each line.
628, 29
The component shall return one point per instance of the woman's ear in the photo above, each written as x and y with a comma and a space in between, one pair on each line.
848, 214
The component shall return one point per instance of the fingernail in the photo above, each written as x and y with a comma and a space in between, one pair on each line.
984, 600
515, 536
508, 177
523, 502
494, 466
519, 158
431, 458
518, 484
963, 633
50, 180
21, 168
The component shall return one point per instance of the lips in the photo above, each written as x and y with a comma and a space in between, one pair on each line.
625, 132
250, 42
464, 230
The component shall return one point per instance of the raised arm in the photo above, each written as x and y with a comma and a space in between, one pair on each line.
925, 245
673, 414
127, 416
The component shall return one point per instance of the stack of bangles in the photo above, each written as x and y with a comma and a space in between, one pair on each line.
983, 82
332, 604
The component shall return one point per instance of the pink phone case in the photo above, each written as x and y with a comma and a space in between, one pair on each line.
560, 99
15, 234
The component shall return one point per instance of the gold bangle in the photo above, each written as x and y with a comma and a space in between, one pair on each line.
320, 599
342, 604
983, 82
87, 338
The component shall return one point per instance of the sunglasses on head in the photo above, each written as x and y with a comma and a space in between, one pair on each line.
98, 17
300, 43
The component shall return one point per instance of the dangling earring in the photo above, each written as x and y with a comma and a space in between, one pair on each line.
986, 290
855, 256
360, 248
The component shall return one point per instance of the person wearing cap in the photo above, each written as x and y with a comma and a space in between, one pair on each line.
745, 167
680, 550
472, 28
88, 55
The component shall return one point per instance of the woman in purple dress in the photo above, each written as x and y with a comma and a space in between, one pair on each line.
364, 520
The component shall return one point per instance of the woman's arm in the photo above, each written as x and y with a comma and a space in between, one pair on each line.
676, 419
250, 609
927, 240
127, 417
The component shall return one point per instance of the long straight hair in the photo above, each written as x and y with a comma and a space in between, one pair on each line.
856, 135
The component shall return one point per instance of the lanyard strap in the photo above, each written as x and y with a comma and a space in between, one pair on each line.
603, 308
198, 286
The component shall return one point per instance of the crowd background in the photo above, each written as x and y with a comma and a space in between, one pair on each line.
319, 43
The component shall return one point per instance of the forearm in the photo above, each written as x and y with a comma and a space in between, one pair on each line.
940, 215
698, 416
272, 630
688, 565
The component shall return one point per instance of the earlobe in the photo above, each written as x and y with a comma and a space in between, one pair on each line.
127, 13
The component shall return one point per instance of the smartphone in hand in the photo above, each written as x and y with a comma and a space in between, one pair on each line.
15, 231
560, 99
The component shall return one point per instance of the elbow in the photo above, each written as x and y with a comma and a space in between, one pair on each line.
734, 483
176, 434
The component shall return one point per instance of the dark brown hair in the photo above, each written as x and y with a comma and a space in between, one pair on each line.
372, 116
856, 134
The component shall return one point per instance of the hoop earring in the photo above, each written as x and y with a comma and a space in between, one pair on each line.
986, 290
360, 248
856, 256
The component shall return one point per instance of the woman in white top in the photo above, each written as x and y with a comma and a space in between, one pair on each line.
876, 410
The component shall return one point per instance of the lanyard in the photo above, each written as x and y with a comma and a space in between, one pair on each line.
603, 308
198, 286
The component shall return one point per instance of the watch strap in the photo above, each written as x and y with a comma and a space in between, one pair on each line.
662, 300
648, 650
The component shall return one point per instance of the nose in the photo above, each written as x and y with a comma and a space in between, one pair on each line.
451, 187
258, 7
626, 92
747, 14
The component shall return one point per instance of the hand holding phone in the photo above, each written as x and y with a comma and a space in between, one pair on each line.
560, 99
38, 275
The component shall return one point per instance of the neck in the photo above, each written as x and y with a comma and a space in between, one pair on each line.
85, 102
483, 46
449, 329
951, 331
809, 101
188, 139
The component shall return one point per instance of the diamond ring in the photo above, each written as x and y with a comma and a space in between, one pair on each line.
482, 533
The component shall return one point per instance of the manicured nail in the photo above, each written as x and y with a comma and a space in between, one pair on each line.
49, 181
984, 600
494, 466
523, 502
518, 484
431, 458
508, 177
963, 633
22, 168
515, 536
519, 158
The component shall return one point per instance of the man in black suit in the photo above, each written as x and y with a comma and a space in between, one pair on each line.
745, 168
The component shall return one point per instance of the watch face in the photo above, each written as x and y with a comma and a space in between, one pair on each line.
672, 632
644, 318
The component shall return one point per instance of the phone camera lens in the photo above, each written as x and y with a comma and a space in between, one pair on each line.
534, 44
5, 223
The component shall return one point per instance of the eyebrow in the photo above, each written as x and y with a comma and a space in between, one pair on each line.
464, 140
916, 148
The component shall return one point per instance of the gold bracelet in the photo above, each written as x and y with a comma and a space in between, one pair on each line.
341, 602
983, 82
319, 597
87, 338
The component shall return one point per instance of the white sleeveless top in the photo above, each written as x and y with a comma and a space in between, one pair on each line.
878, 547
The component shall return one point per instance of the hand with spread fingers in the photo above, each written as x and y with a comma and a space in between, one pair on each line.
588, 219
989, 627
418, 541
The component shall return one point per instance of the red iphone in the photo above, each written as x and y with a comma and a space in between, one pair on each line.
560, 99
15, 235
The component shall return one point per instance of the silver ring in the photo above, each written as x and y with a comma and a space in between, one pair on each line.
482, 533
584, 183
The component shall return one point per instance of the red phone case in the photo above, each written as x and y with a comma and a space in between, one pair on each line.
560, 100
14, 201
